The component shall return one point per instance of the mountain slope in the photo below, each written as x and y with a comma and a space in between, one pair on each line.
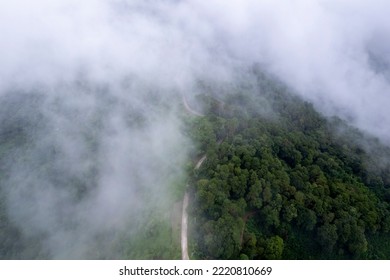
286, 182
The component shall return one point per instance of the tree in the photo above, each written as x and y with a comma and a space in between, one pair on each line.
253, 196
327, 237
289, 212
249, 244
274, 248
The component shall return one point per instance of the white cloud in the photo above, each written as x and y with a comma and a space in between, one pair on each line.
333, 53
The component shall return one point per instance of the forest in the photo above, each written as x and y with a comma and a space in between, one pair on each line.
280, 181
268, 117
285, 182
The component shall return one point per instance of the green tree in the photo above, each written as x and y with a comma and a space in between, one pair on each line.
274, 248
327, 237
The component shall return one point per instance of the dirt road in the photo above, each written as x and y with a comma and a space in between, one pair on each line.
184, 216
184, 229
188, 108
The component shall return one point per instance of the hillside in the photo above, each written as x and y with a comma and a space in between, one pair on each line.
278, 180
284, 182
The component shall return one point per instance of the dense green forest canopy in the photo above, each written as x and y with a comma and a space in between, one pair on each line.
284, 182
280, 181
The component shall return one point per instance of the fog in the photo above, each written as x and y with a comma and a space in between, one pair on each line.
99, 84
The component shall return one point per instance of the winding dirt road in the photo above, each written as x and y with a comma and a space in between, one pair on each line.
184, 216
189, 110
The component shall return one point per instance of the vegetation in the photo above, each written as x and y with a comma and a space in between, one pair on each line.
280, 181
150, 231
286, 185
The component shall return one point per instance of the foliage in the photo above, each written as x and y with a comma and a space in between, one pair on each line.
291, 184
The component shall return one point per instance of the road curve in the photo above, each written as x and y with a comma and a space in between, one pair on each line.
200, 162
188, 108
